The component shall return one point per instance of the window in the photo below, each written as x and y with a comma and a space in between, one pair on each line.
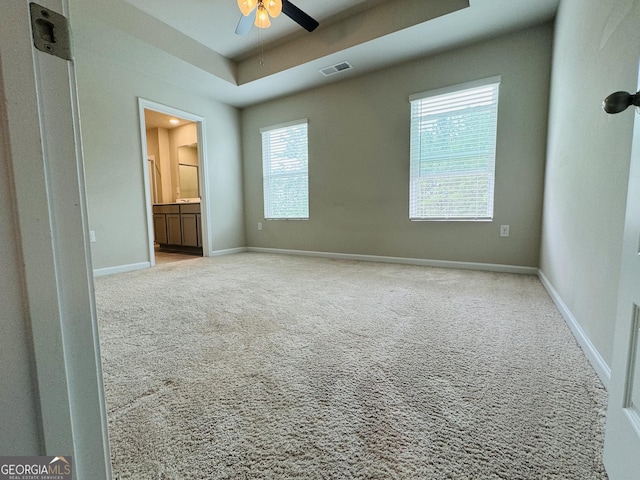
453, 148
285, 170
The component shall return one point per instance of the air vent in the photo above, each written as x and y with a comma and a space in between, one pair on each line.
337, 68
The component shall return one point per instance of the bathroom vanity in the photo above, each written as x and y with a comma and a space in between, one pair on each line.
178, 227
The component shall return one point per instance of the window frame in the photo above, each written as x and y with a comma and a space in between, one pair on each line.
495, 82
268, 176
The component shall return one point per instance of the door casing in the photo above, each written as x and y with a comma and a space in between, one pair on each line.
202, 165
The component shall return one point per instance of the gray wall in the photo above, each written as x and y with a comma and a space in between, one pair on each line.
597, 45
110, 80
359, 159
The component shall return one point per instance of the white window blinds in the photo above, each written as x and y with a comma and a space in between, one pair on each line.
453, 145
285, 168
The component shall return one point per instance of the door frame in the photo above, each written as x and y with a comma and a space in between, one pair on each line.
203, 180
39, 119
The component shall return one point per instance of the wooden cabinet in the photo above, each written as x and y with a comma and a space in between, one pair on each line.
178, 226
189, 230
174, 229
160, 228
190, 220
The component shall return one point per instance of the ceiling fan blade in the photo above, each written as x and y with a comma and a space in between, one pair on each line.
298, 16
245, 23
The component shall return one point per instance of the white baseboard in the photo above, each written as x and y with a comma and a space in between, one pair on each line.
402, 260
100, 272
227, 251
597, 362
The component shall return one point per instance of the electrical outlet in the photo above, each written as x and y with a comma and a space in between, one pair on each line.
259, 225
504, 230
92, 236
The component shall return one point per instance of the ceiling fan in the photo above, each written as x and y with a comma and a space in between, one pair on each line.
257, 12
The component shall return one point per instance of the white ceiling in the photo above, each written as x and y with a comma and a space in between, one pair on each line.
153, 119
204, 52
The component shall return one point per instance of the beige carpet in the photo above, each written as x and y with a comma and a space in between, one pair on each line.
256, 366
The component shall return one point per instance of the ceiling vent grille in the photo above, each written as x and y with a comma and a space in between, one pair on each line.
337, 68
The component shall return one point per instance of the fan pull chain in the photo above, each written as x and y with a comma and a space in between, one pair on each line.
261, 40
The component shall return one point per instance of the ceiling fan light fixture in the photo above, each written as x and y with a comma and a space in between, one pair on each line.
260, 13
262, 17
247, 6
274, 7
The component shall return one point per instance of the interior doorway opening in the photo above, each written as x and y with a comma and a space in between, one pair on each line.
175, 182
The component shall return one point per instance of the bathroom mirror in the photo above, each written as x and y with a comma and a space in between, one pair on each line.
188, 181
188, 171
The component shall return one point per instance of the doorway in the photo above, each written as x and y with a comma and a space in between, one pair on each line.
175, 178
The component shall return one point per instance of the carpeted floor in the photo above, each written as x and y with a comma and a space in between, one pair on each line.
257, 366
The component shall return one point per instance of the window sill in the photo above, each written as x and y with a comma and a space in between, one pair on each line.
474, 220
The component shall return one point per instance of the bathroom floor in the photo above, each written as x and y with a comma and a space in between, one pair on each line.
168, 257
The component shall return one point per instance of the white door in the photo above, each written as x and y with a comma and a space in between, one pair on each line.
622, 439
39, 121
